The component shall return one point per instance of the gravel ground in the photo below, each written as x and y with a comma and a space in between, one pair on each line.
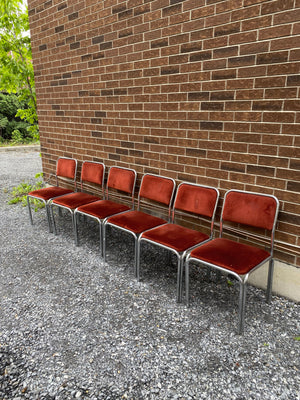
74, 327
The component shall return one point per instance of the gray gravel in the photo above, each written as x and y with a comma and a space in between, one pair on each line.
73, 327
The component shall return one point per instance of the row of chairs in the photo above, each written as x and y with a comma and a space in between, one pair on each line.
155, 220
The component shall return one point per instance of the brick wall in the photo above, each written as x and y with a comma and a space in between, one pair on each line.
200, 90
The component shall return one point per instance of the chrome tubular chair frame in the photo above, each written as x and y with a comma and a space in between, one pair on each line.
101, 221
179, 254
72, 209
136, 235
241, 278
47, 200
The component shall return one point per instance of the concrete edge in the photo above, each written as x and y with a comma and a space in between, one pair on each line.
23, 148
286, 280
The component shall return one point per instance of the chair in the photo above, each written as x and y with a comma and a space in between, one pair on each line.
120, 186
242, 211
92, 177
66, 169
155, 191
192, 201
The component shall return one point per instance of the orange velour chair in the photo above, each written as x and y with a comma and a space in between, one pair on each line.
92, 178
245, 215
155, 190
191, 200
66, 169
120, 188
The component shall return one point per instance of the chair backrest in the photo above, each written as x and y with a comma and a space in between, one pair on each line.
198, 200
92, 172
250, 209
121, 179
157, 188
66, 168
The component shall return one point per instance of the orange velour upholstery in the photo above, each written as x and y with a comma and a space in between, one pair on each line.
92, 172
250, 209
66, 167
175, 236
136, 221
196, 199
157, 188
121, 179
49, 192
234, 256
103, 208
74, 200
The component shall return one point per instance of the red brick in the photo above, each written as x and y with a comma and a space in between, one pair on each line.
276, 6
285, 43
275, 32
256, 23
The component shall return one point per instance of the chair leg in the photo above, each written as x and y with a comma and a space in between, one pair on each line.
137, 255
76, 229
52, 218
242, 303
179, 279
73, 224
270, 281
187, 284
104, 241
48, 217
29, 210
101, 237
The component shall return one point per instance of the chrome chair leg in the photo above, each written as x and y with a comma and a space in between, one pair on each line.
179, 279
270, 281
53, 219
101, 237
76, 229
104, 241
48, 217
29, 210
187, 283
137, 254
73, 223
242, 302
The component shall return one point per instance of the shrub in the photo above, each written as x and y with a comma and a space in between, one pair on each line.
12, 128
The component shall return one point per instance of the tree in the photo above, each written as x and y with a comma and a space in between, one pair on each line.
16, 69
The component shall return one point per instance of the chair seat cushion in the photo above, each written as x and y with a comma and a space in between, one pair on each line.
136, 221
74, 200
175, 236
103, 208
231, 255
48, 193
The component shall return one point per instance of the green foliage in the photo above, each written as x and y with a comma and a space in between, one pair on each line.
297, 338
10, 124
19, 193
229, 282
16, 69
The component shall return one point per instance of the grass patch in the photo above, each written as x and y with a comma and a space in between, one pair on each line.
19, 193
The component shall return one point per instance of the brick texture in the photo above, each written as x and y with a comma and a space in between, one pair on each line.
199, 90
